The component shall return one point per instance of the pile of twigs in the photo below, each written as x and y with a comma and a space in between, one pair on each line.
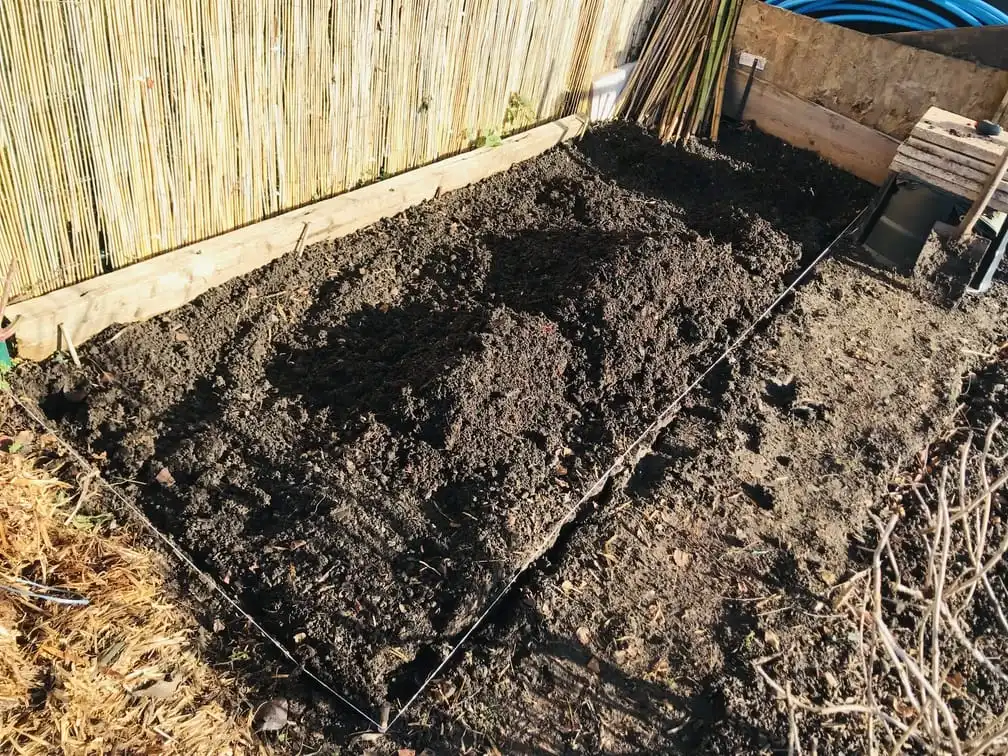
678, 84
932, 623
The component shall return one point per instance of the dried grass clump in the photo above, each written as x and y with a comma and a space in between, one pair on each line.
102, 662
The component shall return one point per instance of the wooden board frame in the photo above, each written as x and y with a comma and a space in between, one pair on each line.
986, 45
880, 83
171, 280
842, 141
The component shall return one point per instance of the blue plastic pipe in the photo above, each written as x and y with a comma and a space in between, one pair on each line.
887, 6
900, 12
877, 18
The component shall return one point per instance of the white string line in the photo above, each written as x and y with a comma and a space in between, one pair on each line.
184, 557
662, 420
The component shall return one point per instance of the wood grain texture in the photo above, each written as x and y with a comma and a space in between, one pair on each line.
959, 134
163, 283
937, 152
984, 198
839, 140
877, 82
945, 150
950, 182
986, 45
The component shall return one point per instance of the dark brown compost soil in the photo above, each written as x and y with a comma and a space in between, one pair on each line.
368, 437
726, 544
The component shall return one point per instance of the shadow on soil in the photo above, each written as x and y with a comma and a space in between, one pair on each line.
572, 701
318, 482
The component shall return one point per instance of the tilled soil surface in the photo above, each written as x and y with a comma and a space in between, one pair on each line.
724, 545
367, 438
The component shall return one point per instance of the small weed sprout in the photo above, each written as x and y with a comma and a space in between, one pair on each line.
519, 114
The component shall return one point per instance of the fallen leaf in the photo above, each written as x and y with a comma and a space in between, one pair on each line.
681, 558
904, 709
584, 636
831, 680
158, 689
111, 655
661, 667
593, 665
165, 478
22, 441
772, 639
956, 680
271, 716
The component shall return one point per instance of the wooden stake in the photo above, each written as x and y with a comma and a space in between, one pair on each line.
65, 337
1002, 109
993, 182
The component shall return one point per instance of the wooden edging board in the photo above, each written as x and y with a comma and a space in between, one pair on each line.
171, 280
847, 144
878, 82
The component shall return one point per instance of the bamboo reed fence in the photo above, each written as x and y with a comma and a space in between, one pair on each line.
132, 127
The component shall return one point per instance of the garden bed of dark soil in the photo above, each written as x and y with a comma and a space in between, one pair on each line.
366, 438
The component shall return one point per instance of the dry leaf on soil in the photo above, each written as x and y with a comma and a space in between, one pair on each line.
271, 716
164, 477
159, 689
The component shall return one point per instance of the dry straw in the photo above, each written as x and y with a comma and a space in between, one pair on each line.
132, 128
93, 658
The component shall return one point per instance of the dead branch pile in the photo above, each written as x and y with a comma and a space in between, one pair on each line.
930, 613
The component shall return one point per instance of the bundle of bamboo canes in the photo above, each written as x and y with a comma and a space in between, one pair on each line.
677, 86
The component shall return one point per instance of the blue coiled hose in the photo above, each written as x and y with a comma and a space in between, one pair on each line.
893, 8
899, 13
910, 24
